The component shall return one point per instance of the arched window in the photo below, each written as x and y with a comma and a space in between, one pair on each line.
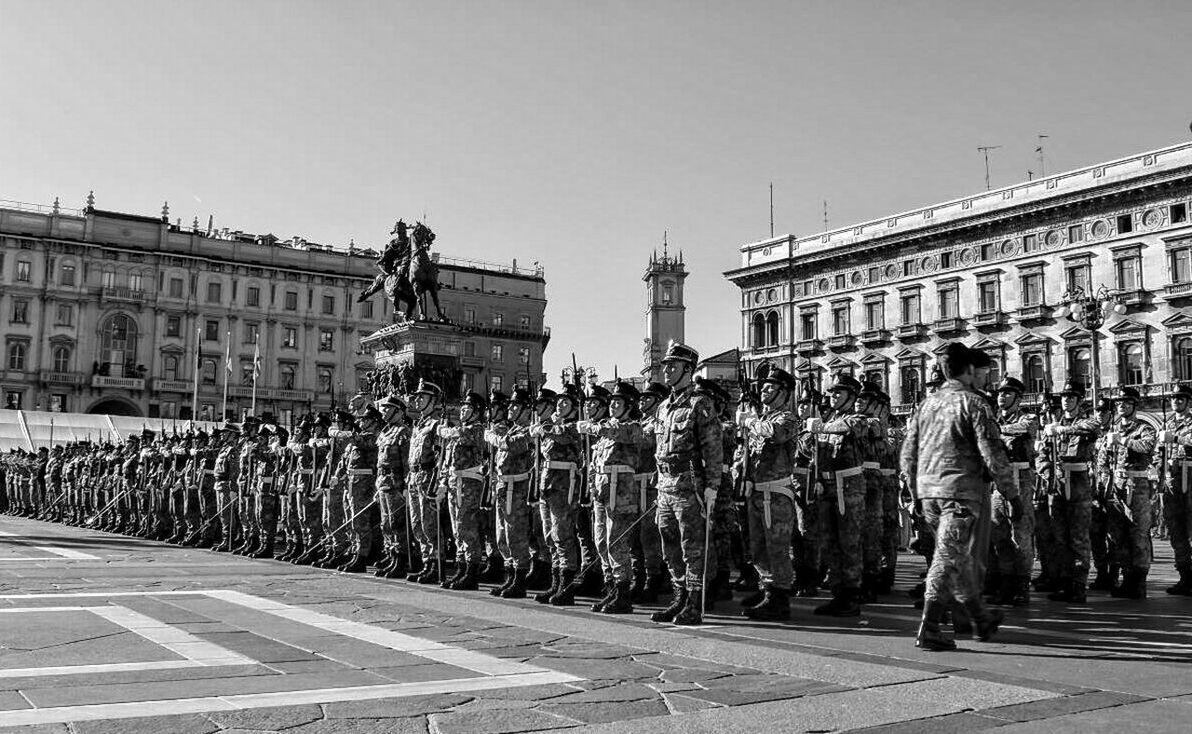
1034, 373
1181, 356
118, 339
16, 356
759, 331
1080, 365
169, 367
287, 376
1130, 363
772, 329
61, 359
876, 375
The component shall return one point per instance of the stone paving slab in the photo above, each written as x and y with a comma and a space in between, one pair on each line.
1139, 718
134, 676
11, 700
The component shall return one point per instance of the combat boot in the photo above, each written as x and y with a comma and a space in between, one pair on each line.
592, 582
639, 584
177, 537
620, 602
517, 585
610, 590
1183, 587
357, 564
494, 569
540, 575
1133, 584
807, 582
1104, 580
1073, 593
566, 594
308, 557
678, 601
470, 581
460, 569
384, 564
691, 614
754, 599
775, 607
987, 620
264, 551
962, 621
930, 636
747, 579
885, 580
843, 604
430, 573
1022, 592
556, 579
397, 569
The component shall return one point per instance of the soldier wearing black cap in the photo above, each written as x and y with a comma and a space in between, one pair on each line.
461, 475
561, 450
266, 487
1099, 541
690, 457
226, 466
807, 541
513, 464
336, 538
1075, 434
1130, 450
1174, 463
649, 577
725, 523
543, 564
358, 469
393, 451
311, 451
246, 479
872, 449
841, 500
1013, 542
203, 457
422, 481
770, 493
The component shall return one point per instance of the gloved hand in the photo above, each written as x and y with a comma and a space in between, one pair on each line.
1166, 436
1051, 430
1113, 438
813, 425
743, 416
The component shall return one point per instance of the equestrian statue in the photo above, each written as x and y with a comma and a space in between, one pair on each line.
407, 274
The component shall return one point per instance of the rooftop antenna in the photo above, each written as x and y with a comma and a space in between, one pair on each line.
984, 150
771, 208
1039, 150
825, 215
664, 244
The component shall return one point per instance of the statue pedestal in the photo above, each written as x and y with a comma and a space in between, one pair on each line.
413, 350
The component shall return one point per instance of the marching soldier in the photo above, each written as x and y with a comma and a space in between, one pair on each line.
201, 517
1075, 434
393, 450
690, 457
1130, 449
725, 523
1013, 534
770, 501
806, 538
423, 477
871, 448
266, 459
1100, 542
294, 479
1174, 460
513, 461
246, 480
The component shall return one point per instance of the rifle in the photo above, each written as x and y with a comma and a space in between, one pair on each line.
584, 487
748, 399
1053, 444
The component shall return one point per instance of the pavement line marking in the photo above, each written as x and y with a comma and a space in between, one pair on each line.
142, 709
59, 552
194, 651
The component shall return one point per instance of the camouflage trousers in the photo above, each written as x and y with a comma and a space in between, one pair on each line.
951, 574
561, 518
310, 511
334, 531
1099, 538
393, 521
159, 505
891, 520
871, 524
1050, 560
841, 533
288, 516
1013, 542
205, 513
230, 514
614, 512
424, 515
513, 521
646, 541
266, 508
726, 529
770, 536
1130, 533
541, 520
248, 511
177, 499
681, 522
463, 504
805, 539
1071, 517
360, 495
1177, 513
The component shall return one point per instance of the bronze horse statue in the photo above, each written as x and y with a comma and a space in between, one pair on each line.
408, 275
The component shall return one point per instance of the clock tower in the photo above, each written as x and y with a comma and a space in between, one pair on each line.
665, 309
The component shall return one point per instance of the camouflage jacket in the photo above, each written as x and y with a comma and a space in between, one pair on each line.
423, 445
689, 441
772, 445
393, 449
463, 446
513, 447
1132, 453
842, 436
1168, 458
1018, 430
226, 463
647, 444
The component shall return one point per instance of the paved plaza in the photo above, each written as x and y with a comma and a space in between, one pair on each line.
100, 633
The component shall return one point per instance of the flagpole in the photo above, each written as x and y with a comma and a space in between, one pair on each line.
194, 398
227, 370
255, 370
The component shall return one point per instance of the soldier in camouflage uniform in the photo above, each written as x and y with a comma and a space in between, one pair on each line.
1174, 463
357, 469
422, 481
290, 491
690, 457
393, 451
841, 494
1013, 536
513, 462
542, 566
649, 577
461, 478
805, 538
726, 524
311, 470
226, 467
770, 498
246, 479
1100, 540
615, 493
951, 446
561, 450
265, 488
201, 528
336, 539
1075, 434
1130, 447
872, 448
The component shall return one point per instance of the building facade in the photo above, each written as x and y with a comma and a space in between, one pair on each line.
995, 270
106, 312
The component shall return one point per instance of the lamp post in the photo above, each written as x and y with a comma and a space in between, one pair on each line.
1089, 310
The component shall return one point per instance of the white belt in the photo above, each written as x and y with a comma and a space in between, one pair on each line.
306, 471
509, 480
210, 472
643, 486
777, 486
726, 469
475, 472
1136, 473
841, 475
614, 472
1068, 470
870, 465
887, 472
572, 469
1018, 467
360, 472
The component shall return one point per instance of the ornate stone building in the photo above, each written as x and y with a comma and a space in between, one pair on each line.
106, 312
881, 298
666, 310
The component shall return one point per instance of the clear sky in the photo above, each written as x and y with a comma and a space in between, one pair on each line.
574, 133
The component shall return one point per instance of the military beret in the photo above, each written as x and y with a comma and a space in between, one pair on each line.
599, 392
370, 413
496, 397
546, 395
476, 400
571, 392
936, 378
521, 396
1074, 388
1182, 391
1011, 384
1128, 394
428, 388
390, 401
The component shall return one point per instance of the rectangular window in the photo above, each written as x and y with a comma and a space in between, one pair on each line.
987, 296
109, 279
498, 382
1178, 213
523, 355
912, 310
807, 326
12, 400
840, 281
873, 275
20, 311
470, 315
668, 293
289, 337
1126, 273
175, 287
329, 305
135, 282
498, 318
252, 332
214, 292
498, 353
173, 326
1076, 233
949, 302
523, 321
1030, 243
945, 260
469, 349
1077, 277
65, 314
1125, 224
291, 300
1179, 263
875, 315
211, 331
58, 403
988, 250
253, 296
840, 320
908, 268
1032, 289
366, 310
23, 268
68, 275
326, 340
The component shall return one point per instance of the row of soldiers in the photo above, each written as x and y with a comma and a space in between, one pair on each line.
632, 496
